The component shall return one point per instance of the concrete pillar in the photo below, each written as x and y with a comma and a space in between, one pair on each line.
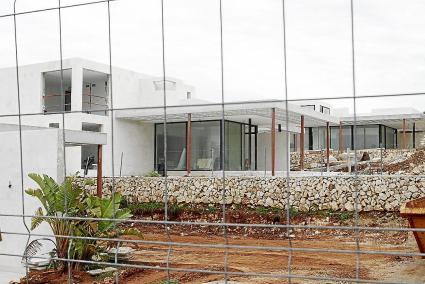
77, 88
328, 141
189, 142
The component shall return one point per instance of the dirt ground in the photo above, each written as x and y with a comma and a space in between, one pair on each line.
375, 267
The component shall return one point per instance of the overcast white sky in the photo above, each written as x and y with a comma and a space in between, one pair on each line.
390, 45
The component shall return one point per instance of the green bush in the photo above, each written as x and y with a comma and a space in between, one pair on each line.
146, 208
153, 174
69, 199
344, 216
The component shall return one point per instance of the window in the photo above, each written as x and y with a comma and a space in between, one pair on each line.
89, 152
169, 85
54, 125
206, 151
233, 146
176, 146
346, 137
57, 91
319, 138
371, 135
367, 137
205, 146
95, 92
390, 137
188, 95
325, 110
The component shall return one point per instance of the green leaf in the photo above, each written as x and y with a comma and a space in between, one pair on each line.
36, 221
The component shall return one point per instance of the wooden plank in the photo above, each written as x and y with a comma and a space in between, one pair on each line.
273, 140
99, 183
302, 144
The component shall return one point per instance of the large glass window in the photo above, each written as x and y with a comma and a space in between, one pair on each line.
371, 136
390, 139
367, 137
346, 137
233, 146
176, 146
205, 153
319, 138
57, 93
334, 138
205, 146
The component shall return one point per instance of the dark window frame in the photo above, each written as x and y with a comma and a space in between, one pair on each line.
255, 133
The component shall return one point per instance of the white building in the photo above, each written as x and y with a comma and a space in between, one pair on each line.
87, 93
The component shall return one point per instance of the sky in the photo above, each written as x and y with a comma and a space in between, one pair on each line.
389, 45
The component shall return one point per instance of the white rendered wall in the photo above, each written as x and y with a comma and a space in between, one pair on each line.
136, 141
41, 154
129, 89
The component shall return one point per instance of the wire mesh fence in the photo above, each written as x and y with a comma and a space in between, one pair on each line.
229, 192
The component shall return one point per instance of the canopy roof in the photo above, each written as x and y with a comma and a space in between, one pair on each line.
260, 113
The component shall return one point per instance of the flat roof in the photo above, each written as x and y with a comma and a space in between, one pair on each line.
258, 111
390, 120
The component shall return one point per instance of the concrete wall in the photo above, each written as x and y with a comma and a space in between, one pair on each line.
136, 141
42, 153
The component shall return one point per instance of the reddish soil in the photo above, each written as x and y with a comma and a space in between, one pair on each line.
253, 260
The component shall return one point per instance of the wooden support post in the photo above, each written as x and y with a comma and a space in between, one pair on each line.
341, 146
327, 144
302, 144
404, 134
189, 142
99, 183
273, 140
249, 144
414, 135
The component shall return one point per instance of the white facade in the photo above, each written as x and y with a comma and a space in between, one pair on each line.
40, 88
85, 90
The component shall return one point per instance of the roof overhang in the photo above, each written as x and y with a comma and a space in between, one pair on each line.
260, 113
390, 120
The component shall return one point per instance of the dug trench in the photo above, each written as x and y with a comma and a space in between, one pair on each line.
256, 252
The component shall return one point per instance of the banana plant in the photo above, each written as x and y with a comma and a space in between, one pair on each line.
69, 199
102, 208
106, 208
57, 200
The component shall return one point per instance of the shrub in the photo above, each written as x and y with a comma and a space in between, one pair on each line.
153, 174
344, 216
70, 200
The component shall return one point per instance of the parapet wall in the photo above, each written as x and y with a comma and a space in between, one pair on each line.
382, 193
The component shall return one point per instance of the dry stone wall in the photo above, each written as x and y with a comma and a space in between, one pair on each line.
383, 193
